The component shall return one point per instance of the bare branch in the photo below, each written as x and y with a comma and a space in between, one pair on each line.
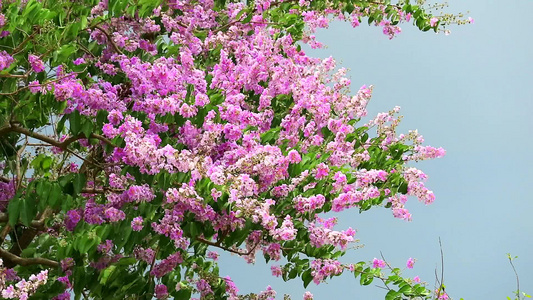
516, 274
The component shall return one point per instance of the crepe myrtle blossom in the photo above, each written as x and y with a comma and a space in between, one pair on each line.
161, 291
410, 263
5, 60
378, 263
276, 271
22, 289
36, 63
137, 224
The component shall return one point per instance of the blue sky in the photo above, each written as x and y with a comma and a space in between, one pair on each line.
471, 93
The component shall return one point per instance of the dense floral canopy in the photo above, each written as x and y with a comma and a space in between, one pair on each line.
140, 137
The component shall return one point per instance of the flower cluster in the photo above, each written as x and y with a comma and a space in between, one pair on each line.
323, 268
23, 288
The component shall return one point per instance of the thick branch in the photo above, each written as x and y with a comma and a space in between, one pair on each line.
17, 260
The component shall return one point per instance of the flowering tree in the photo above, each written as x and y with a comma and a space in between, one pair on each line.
140, 137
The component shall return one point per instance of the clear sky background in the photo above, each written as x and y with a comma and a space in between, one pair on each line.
471, 93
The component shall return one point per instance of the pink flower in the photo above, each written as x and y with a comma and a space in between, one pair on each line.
161, 291
416, 279
294, 157
72, 219
378, 263
137, 224
5, 60
321, 171
79, 61
114, 215
276, 271
471, 20
34, 87
433, 21
213, 255
36, 63
308, 296
442, 295
410, 263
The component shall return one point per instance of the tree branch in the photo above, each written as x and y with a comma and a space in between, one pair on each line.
4, 218
516, 274
109, 38
62, 145
217, 244
17, 260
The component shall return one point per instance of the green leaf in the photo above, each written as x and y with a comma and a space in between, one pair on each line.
307, 277
392, 295
43, 191
87, 128
247, 19
366, 277
85, 243
106, 274
183, 294
61, 124
62, 54
55, 195
406, 290
13, 209
402, 188
46, 163
75, 122
126, 261
364, 137
28, 210
79, 181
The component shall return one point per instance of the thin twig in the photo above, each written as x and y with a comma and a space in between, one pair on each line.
516, 274
109, 38
102, 191
17, 165
14, 75
217, 244
42, 84
441, 285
